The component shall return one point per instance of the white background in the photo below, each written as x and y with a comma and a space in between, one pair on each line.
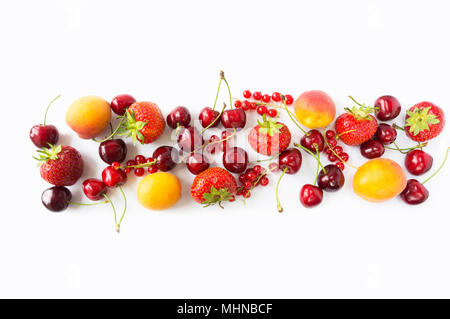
170, 52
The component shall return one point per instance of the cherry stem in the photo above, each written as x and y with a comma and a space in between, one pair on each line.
114, 209
124, 209
267, 159
88, 204
318, 166
217, 94
215, 120
440, 167
289, 113
312, 154
112, 134
229, 90
399, 127
351, 97
48, 106
401, 150
280, 209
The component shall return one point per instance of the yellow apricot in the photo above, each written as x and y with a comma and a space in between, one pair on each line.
159, 191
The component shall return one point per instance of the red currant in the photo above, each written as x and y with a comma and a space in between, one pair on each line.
330, 134
247, 194
266, 98
247, 94
251, 176
115, 165
240, 192
139, 171
237, 104
257, 96
344, 157
152, 169
140, 159
276, 96
332, 142
248, 185
131, 163
127, 170
332, 157
289, 99
261, 110
242, 178
232, 198
246, 105
340, 165
264, 181
338, 150
253, 106
272, 113
327, 150
257, 169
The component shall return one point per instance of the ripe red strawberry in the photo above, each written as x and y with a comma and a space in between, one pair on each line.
144, 122
269, 137
60, 165
357, 125
213, 186
424, 121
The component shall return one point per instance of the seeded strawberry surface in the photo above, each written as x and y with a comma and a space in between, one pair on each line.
353, 131
424, 121
150, 114
213, 186
264, 143
65, 170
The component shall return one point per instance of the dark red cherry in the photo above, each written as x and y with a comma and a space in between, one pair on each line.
234, 118
207, 116
310, 195
189, 139
94, 189
418, 162
197, 163
56, 198
120, 103
43, 135
179, 116
387, 108
235, 159
166, 158
313, 140
371, 149
385, 133
113, 177
290, 160
414, 192
332, 179
114, 150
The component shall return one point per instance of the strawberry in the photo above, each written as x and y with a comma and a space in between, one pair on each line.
213, 186
60, 165
143, 121
424, 121
357, 125
269, 137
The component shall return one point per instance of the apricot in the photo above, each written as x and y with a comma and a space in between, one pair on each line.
88, 116
159, 191
314, 109
378, 180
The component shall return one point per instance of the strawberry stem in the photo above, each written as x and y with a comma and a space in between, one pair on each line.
280, 209
48, 106
440, 167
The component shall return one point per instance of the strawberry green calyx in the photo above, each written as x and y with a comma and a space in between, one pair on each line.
50, 153
216, 196
361, 112
131, 127
420, 120
269, 126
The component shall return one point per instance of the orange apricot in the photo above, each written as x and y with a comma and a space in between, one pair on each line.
314, 109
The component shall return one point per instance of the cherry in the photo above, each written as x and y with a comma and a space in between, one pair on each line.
235, 160
189, 139
227, 142
387, 108
313, 141
113, 177
207, 116
332, 179
197, 163
166, 158
114, 150
56, 198
42, 135
179, 116
290, 160
120, 103
94, 189
414, 192
385, 133
418, 162
213, 144
310, 195
247, 94
372, 149
234, 118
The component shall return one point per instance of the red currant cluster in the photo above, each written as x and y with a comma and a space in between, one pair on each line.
335, 152
138, 165
260, 102
252, 177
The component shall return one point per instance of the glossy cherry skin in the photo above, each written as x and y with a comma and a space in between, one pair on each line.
385, 133
166, 158
235, 159
313, 140
42, 135
418, 162
197, 163
56, 198
414, 193
290, 160
372, 149
332, 179
179, 116
113, 177
234, 118
207, 116
120, 103
310, 195
189, 139
114, 150
94, 189
387, 108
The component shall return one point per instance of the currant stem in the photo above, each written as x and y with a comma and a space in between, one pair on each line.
289, 113
112, 134
280, 209
88, 204
215, 120
312, 154
142, 165
124, 209
48, 106
114, 209
440, 167
332, 150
